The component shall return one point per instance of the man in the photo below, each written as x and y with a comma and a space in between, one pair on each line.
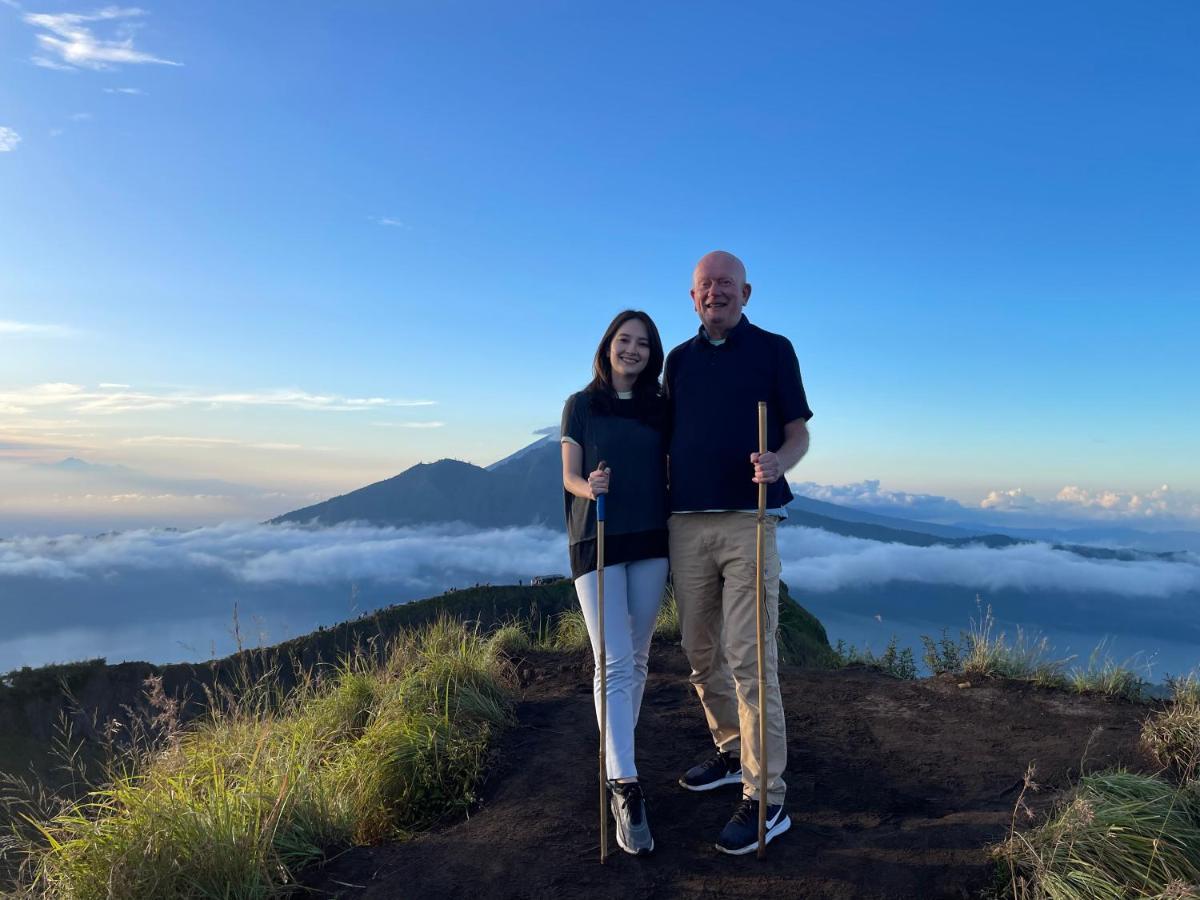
714, 382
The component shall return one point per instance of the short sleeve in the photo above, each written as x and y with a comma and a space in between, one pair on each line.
789, 387
574, 419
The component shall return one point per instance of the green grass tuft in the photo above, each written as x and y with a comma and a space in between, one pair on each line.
666, 626
1027, 658
1103, 675
1172, 735
235, 805
1116, 835
570, 631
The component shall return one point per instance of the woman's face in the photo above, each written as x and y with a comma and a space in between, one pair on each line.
629, 350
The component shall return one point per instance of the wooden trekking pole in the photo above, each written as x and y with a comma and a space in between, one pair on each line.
603, 664
761, 604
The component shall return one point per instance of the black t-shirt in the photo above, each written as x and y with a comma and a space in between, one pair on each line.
714, 391
632, 441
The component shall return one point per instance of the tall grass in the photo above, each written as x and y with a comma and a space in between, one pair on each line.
1104, 675
1172, 735
1027, 658
237, 804
1116, 835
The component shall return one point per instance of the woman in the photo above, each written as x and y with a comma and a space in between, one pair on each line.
620, 419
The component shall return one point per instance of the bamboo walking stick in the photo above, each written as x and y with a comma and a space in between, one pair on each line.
760, 603
603, 664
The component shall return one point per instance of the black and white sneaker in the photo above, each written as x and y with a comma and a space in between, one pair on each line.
724, 768
629, 809
740, 834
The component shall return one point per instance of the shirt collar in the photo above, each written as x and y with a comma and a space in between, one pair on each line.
731, 336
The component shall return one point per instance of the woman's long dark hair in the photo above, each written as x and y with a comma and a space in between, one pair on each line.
647, 390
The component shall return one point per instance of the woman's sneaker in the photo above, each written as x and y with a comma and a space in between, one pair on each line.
740, 834
724, 768
629, 809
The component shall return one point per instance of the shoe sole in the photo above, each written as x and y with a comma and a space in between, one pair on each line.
773, 832
644, 851
732, 778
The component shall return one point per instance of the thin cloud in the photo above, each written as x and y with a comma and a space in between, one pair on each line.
177, 440
9, 327
70, 42
390, 222
111, 400
8, 141
410, 424
82, 117
125, 90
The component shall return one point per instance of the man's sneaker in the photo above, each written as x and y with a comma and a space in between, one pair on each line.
629, 809
724, 768
740, 834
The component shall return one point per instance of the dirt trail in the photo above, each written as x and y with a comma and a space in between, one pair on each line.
895, 789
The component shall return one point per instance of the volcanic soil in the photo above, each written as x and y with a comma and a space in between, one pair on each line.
895, 789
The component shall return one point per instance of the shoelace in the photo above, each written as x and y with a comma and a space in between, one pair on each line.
747, 811
631, 799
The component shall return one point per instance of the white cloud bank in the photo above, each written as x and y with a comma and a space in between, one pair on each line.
1071, 505
8, 139
818, 560
266, 554
825, 562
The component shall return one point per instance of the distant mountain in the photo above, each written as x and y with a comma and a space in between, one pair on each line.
519, 490
525, 489
850, 514
1104, 535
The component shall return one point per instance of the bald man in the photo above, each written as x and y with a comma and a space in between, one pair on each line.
714, 382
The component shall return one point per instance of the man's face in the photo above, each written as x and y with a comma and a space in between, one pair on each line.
719, 291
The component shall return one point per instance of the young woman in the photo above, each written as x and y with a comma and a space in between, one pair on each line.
620, 419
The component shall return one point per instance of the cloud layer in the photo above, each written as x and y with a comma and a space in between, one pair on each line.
1071, 505
825, 562
821, 561
8, 139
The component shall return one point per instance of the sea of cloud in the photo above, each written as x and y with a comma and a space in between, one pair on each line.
437, 556
128, 595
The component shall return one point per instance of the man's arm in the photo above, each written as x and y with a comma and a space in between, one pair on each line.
769, 467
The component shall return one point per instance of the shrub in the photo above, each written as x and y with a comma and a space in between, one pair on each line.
893, 661
944, 655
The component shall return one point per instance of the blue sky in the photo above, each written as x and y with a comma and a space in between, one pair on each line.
308, 246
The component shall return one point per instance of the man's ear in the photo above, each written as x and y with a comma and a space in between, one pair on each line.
746, 292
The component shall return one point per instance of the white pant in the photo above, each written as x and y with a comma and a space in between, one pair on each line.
632, 594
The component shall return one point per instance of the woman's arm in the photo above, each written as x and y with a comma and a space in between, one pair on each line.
573, 481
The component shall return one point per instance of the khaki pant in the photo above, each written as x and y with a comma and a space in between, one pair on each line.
713, 568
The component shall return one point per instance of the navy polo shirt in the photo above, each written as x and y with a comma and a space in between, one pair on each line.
714, 391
